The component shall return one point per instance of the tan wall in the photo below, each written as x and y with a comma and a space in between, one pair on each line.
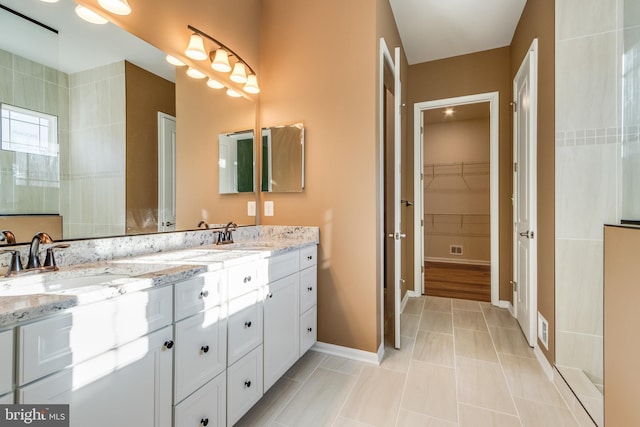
146, 95
475, 73
24, 227
538, 20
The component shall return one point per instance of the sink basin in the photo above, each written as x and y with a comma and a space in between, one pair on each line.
43, 283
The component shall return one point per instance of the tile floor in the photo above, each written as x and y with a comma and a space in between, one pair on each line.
462, 363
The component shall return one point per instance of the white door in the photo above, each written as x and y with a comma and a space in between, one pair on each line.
166, 172
524, 197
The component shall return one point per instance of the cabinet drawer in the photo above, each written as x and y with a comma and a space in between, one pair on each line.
245, 325
308, 256
200, 350
283, 265
79, 334
242, 279
198, 294
308, 330
308, 288
6, 368
244, 385
207, 406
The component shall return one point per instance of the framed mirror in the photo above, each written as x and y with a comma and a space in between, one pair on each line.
115, 96
236, 162
283, 158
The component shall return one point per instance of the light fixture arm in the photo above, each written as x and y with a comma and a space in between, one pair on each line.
222, 45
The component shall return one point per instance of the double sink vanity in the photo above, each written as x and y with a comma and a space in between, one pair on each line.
178, 332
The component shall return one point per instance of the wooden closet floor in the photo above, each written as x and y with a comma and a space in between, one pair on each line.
462, 281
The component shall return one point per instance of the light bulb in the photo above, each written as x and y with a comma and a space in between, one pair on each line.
252, 84
239, 74
214, 84
221, 61
118, 7
195, 50
89, 15
196, 74
174, 61
232, 93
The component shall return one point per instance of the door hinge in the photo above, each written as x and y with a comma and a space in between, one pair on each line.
515, 285
422, 269
515, 166
421, 130
422, 223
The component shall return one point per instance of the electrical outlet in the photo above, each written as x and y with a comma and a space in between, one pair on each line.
251, 208
268, 208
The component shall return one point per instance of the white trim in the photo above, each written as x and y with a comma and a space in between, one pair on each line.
404, 302
507, 305
493, 99
350, 353
544, 363
458, 261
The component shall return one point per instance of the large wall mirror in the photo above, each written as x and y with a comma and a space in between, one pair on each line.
283, 158
119, 110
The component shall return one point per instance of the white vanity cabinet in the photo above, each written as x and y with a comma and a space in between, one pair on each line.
200, 350
111, 361
6, 367
308, 298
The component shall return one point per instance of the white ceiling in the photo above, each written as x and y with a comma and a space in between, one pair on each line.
437, 29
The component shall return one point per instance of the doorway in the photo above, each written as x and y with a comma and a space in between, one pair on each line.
166, 172
461, 220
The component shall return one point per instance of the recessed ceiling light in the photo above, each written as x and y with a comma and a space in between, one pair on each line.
448, 112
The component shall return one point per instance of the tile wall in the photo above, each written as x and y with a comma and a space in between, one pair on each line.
593, 127
30, 183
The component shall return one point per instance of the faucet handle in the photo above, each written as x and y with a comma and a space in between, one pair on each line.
49, 260
16, 262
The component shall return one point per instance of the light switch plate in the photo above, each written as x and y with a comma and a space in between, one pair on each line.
268, 208
251, 208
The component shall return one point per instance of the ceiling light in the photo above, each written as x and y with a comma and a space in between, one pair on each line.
448, 112
174, 61
221, 61
89, 15
233, 93
119, 7
196, 74
239, 74
252, 84
195, 50
214, 84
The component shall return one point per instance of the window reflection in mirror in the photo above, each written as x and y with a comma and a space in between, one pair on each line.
283, 158
236, 162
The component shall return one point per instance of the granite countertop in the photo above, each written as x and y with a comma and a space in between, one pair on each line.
30, 296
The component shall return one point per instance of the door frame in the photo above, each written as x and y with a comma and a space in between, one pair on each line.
493, 99
532, 55
161, 141
386, 59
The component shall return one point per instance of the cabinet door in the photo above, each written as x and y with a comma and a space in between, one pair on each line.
201, 350
281, 317
245, 325
244, 385
308, 288
308, 333
207, 406
6, 366
308, 256
127, 386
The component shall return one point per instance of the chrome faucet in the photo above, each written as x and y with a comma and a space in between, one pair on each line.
33, 260
8, 236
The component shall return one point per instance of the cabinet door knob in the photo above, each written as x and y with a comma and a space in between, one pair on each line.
270, 295
247, 324
205, 348
247, 384
309, 329
247, 279
204, 294
310, 257
168, 344
204, 422
310, 288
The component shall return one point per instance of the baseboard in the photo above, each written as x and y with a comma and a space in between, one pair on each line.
507, 305
350, 353
544, 363
457, 261
404, 302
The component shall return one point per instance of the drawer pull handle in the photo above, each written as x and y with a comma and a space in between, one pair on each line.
310, 257
270, 295
204, 422
247, 324
204, 294
247, 279
168, 344
247, 384
309, 329
205, 348
310, 288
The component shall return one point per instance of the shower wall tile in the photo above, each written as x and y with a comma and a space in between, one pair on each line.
6, 84
586, 82
28, 67
586, 185
579, 288
629, 13
28, 92
581, 351
578, 18
6, 59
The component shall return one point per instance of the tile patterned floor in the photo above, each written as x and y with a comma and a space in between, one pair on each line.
462, 363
